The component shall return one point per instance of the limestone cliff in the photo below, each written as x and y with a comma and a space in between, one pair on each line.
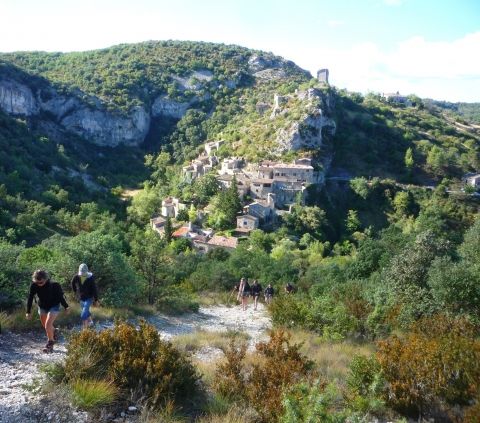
95, 124
315, 122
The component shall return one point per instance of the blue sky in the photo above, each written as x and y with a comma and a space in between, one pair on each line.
431, 48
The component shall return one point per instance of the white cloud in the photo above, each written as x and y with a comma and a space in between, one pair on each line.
443, 70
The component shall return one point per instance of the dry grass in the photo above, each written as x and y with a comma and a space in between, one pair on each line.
235, 414
209, 299
90, 394
332, 358
16, 321
201, 339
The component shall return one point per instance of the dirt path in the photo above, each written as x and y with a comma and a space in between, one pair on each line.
21, 358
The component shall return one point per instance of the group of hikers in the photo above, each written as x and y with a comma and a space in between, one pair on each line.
50, 297
244, 290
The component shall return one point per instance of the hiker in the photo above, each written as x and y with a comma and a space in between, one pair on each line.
269, 293
256, 290
289, 289
84, 287
243, 293
50, 296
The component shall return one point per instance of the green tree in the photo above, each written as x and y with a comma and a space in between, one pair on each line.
148, 259
168, 230
352, 222
409, 162
360, 187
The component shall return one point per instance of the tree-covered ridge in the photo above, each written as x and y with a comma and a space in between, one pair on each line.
466, 112
132, 74
373, 138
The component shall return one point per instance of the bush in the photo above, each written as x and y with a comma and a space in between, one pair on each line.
89, 394
137, 361
289, 311
366, 385
175, 300
437, 362
230, 382
278, 366
305, 403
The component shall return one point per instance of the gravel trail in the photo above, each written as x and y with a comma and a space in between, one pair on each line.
21, 358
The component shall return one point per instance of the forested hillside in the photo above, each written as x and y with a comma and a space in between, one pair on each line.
383, 254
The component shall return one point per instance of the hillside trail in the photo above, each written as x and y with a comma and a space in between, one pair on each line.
21, 357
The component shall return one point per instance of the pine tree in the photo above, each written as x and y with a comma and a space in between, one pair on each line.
409, 162
168, 230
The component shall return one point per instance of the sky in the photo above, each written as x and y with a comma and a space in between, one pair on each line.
430, 48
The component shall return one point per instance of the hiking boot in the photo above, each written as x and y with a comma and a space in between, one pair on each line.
49, 347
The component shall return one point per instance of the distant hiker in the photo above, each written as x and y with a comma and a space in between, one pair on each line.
256, 290
50, 296
243, 292
289, 288
84, 287
269, 292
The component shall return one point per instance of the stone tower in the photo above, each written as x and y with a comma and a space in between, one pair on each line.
322, 76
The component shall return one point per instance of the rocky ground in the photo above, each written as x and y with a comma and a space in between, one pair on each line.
21, 360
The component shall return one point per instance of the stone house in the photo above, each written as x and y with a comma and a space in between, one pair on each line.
260, 188
204, 245
199, 167
264, 210
158, 224
247, 223
397, 98
212, 146
231, 165
171, 206
243, 183
472, 179
294, 172
288, 192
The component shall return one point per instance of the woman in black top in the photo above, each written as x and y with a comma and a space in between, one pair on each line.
256, 291
243, 292
83, 284
50, 296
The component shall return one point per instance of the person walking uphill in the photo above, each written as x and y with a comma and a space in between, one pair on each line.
256, 290
243, 292
84, 287
50, 296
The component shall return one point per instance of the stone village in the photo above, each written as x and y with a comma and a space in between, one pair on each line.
273, 187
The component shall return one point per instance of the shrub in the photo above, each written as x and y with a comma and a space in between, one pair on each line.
135, 360
277, 366
175, 300
230, 381
437, 361
289, 311
304, 403
89, 394
366, 385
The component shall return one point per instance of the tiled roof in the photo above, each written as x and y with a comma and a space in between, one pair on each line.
247, 216
158, 221
181, 232
222, 241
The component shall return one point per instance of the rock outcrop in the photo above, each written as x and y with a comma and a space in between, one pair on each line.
94, 123
17, 99
309, 131
164, 106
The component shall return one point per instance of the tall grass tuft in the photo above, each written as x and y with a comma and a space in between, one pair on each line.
90, 394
